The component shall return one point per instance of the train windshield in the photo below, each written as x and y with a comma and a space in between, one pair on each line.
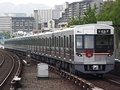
88, 42
103, 43
85, 42
100, 43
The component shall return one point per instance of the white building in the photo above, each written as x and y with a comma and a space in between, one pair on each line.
5, 23
44, 15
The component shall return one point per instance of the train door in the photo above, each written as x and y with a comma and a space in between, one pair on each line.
89, 49
62, 47
53, 45
39, 41
70, 50
84, 46
79, 48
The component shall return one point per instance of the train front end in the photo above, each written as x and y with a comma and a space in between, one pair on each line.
94, 49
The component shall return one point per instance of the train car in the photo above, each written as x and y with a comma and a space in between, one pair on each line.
85, 48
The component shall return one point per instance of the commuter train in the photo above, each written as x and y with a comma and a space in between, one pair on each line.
86, 48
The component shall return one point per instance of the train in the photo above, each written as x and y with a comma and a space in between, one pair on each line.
88, 48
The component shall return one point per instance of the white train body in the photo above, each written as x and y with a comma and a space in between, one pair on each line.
86, 48
96, 56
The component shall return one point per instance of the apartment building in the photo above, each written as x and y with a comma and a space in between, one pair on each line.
42, 16
65, 12
25, 24
5, 23
76, 8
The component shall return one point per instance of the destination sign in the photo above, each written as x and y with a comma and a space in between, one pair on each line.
103, 31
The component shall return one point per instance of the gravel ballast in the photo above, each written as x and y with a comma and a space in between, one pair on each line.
30, 81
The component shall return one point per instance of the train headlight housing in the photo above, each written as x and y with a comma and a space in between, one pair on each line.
110, 54
95, 67
79, 54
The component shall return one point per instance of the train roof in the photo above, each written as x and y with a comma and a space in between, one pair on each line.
90, 25
73, 27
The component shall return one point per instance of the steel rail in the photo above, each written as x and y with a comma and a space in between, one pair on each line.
3, 59
3, 82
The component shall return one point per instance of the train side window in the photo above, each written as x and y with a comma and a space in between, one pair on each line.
55, 42
79, 42
64, 45
59, 40
36, 41
50, 42
88, 41
70, 43
40, 41
64, 41
67, 42
46, 42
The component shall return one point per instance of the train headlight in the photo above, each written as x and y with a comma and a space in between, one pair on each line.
95, 67
110, 54
79, 54
28, 55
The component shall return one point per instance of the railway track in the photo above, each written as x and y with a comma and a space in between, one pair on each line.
113, 79
9, 66
77, 80
106, 84
91, 82
6, 69
1, 59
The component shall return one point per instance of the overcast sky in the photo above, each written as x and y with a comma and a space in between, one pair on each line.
49, 3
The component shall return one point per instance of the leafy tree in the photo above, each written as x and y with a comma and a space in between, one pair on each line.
7, 34
110, 12
116, 12
76, 21
80, 20
73, 21
90, 15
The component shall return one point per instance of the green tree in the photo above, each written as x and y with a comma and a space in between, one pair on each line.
7, 34
116, 12
73, 21
104, 14
76, 21
110, 12
90, 15
80, 20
